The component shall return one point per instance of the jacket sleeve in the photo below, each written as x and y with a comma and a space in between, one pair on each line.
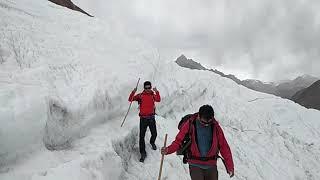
176, 144
225, 149
157, 97
133, 97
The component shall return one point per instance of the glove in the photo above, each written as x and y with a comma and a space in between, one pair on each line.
134, 90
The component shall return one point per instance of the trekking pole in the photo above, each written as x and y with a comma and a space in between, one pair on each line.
161, 163
125, 117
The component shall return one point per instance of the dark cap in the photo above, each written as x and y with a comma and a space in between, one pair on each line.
206, 112
146, 83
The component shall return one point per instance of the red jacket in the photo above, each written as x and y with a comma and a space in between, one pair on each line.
146, 100
218, 140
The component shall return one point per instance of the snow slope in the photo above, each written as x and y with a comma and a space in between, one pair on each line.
71, 89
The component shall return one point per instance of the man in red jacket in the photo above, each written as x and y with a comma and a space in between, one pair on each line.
207, 139
146, 100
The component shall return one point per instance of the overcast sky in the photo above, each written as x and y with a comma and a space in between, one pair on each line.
268, 40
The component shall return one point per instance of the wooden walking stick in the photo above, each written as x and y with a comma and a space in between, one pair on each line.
165, 143
125, 117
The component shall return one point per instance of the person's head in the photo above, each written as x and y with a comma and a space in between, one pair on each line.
206, 114
147, 85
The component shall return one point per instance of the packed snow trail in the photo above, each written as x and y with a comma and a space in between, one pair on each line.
84, 69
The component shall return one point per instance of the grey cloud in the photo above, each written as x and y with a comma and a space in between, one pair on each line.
268, 39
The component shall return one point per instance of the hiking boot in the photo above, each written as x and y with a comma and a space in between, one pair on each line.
143, 156
154, 147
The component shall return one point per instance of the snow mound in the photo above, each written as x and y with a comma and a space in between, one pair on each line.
65, 83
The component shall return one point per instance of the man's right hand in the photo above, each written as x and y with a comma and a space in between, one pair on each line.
164, 150
134, 90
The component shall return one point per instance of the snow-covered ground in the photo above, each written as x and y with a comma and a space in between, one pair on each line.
65, 83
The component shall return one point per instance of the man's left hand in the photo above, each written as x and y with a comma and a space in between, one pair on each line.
231, 174
155, 89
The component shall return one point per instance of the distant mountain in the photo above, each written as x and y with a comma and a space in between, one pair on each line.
285, 89
288, 89
230, 76
260, 86
309, 97
189, 63
69, 4
282, 81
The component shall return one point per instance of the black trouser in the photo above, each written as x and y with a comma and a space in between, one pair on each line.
197, 173
144, 123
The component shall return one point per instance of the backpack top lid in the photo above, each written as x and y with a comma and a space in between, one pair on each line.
185, 119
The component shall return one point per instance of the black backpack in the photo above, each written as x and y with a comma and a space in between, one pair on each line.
184, 149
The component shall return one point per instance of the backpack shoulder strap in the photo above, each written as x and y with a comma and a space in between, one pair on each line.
192, 121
